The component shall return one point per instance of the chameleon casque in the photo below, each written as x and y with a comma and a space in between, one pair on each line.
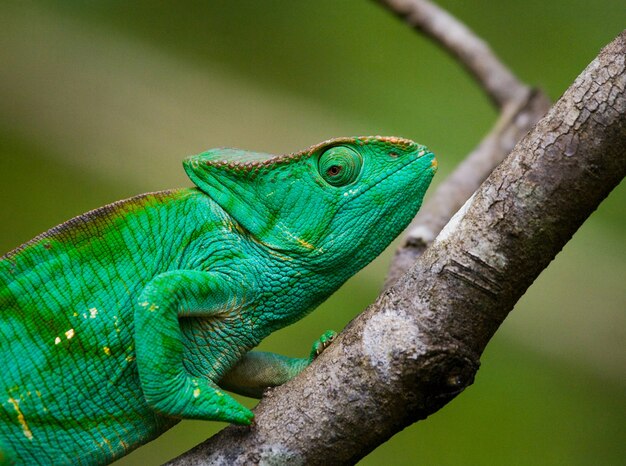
122, 321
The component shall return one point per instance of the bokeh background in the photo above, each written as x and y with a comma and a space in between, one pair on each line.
100, 100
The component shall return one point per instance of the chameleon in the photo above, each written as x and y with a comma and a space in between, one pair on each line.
120, 322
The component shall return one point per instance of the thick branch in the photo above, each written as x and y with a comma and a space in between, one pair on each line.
418, 345
496, 79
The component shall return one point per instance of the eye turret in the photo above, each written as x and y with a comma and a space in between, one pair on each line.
340, 166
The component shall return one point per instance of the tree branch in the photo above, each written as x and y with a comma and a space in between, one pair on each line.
520, 107
418, 346
514, 122
497, 80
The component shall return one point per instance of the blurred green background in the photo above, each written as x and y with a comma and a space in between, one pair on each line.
100, 100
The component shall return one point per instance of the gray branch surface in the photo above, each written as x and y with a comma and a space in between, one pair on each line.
419, 344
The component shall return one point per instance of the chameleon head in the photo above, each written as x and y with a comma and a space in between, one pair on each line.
343, 198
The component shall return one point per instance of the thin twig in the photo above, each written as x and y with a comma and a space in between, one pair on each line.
474, 54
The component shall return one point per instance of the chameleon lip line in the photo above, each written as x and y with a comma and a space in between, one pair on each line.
407, 165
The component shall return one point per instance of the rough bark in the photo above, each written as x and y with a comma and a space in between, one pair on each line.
419, 345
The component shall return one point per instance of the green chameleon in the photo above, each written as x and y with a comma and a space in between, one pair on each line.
122, 321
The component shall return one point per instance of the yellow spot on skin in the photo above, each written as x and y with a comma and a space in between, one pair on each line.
57, 340
196, 393
279, 256
144, 304
153, 307
93, 312
229, 225
105, 441
20, 418
70, 333
434, 164
130, 358
75, 314
107, 350
301, 242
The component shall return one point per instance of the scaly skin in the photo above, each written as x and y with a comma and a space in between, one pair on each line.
120, 322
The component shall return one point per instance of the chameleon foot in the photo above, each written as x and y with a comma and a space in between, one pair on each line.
198, 399
322, 343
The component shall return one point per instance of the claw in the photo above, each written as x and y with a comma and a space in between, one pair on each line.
322, 343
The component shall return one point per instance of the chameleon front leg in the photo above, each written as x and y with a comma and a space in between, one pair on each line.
167, 387
257, 370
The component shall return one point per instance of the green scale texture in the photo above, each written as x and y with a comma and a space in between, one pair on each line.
120, 322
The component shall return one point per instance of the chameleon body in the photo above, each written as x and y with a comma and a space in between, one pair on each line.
120, 322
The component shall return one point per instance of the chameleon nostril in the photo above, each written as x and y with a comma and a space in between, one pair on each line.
393, 155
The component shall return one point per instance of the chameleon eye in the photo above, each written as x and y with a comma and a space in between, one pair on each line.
340, 166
